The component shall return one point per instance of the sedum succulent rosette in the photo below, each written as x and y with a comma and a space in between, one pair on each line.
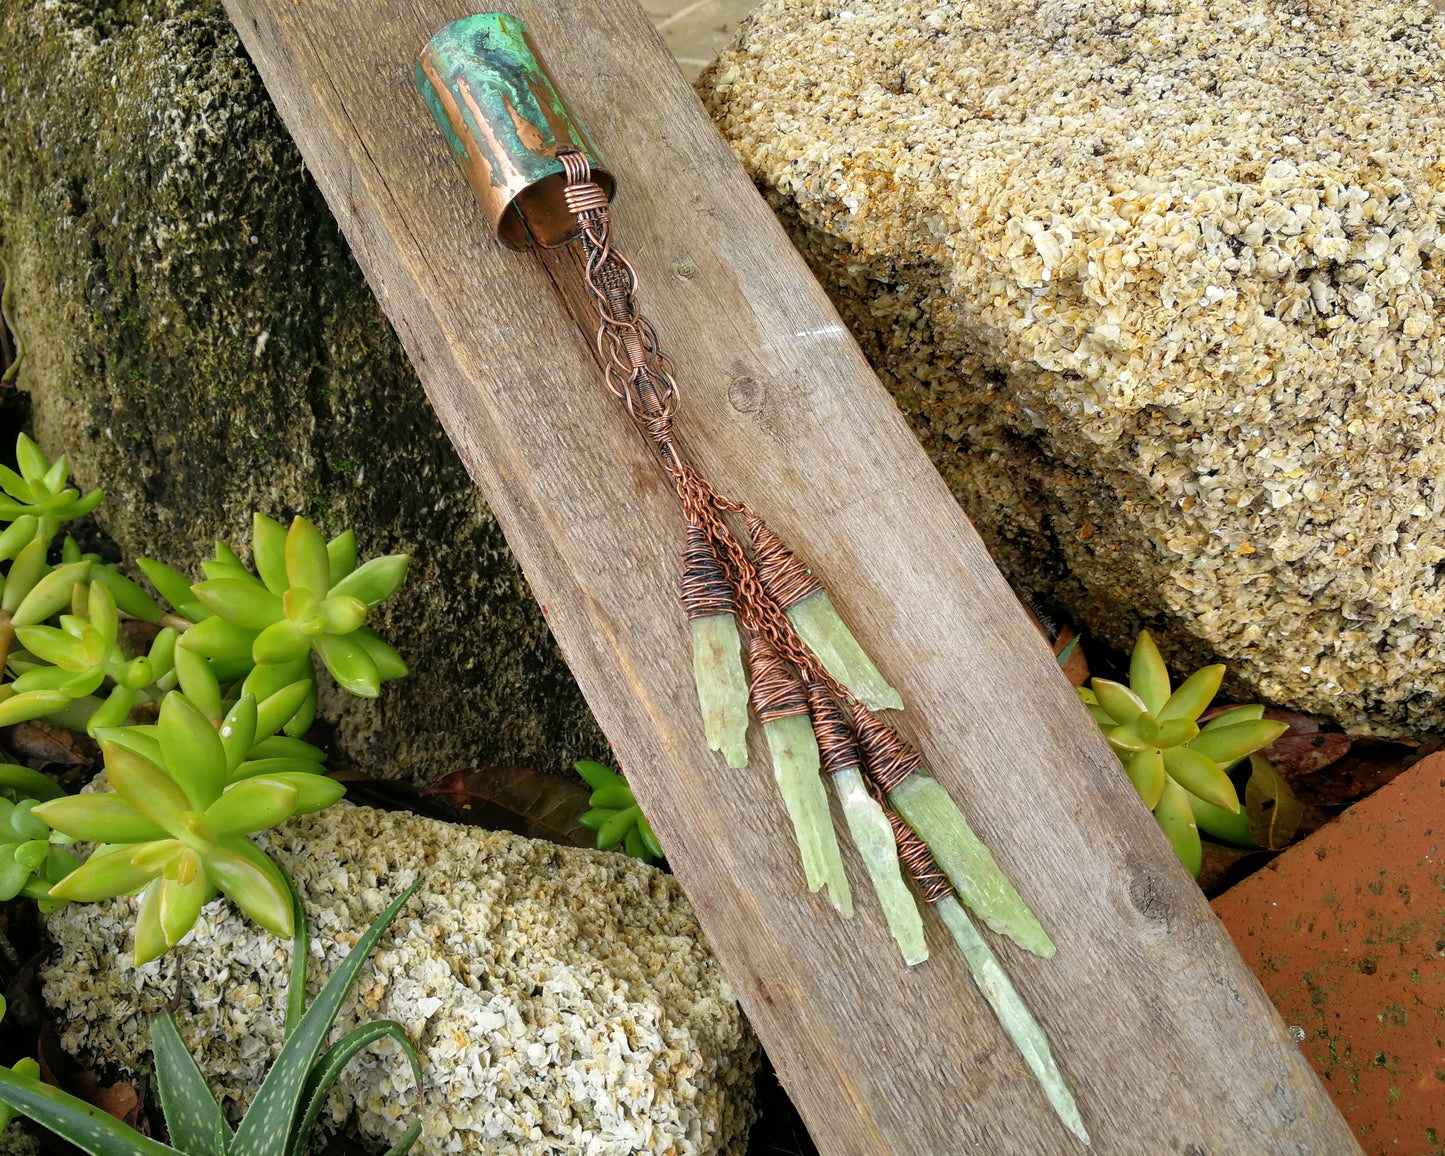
1173, 762
185, 795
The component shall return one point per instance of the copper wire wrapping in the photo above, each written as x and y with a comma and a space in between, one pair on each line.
705, 588
836, 747
783, 576
888, 758
776, 692
914, 854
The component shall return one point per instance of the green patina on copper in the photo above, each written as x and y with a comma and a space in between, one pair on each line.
505, 120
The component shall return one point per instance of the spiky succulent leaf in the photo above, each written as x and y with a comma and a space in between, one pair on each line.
341, 613
140, 740
198, 680
101, 608
273, 712
329, 1066
22, 779
238, 731
128, 596
193, 1118
1220, 824
19, 534
150, 938
89, 1129
53, 646
1194, 694
31, 460
279, 1104
1148, 676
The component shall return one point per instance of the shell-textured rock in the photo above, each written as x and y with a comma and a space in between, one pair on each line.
1160, 286
562, 1001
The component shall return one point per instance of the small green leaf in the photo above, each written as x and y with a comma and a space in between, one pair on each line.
19, 534
281, 642
1177, 822
251, 768
374, 581
648, 837
247, 604
182, 895
139, 740
25, 572
104, 875
128, 596
31, 705
279, 708
217, 638
1121, 703
16, 486
100, 817
268, 551
1220, 824
1148, 676
1235, 714
341, 614
32, 783
254, 883
145, 786
1226, 744
195, 756
1194, 694
281, 747
53, 646
112, 712
341, 555
389, 664
30, 459
197, 680
103, 613
169, 584
150, 938
1146, 772
238, 731
595, 818
612, 832
253, 805
613, 796
50, 594
596, 775
1201, 776
307, 564
348, 663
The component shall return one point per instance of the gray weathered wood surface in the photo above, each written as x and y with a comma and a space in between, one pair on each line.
1166, 1038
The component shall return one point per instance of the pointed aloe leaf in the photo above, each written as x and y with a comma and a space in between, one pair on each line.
268, 551
374, 581
195, 756
329, 1067
1194, 694
1119, 702
1226, 744
1148, 676
348, 663
1201, 776
307, 563
246, 603
102, 817
1176, 819
88, 1128
341, 554
168, 583
193, 1117
50, 594
279, 1102
389, 664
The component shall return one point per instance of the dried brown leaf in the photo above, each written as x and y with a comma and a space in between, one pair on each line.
1274, 812
1297, 756
44, 744
519, 799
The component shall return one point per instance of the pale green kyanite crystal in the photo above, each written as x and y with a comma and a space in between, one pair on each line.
795, 767
1012, 1013
969, 865
873, 836
722, 687
826, 635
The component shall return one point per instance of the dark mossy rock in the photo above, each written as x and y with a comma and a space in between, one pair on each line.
202, 345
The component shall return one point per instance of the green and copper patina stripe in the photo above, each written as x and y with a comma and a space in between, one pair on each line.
505, 120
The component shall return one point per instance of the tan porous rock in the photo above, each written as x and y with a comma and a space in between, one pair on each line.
562, 1001
1160, 286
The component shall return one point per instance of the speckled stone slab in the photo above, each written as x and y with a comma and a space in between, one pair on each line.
1160, 286
562, 1001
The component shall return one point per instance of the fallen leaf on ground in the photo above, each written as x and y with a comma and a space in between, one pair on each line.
1274, 812
519, 799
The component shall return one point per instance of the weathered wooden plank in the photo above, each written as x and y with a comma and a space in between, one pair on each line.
1167, 1039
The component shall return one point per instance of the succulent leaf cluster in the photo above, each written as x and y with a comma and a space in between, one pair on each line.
230, 675
615, 815
1179, 768
287, 1106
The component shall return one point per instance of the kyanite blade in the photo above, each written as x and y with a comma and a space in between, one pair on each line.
873, 837
795, 767
722, 687
830, 639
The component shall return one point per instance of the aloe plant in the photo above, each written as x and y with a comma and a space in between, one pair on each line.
1175, 764
287, 1106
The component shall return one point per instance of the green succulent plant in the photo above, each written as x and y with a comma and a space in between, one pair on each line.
185, 795
287, 1106
615, 815
1175, 764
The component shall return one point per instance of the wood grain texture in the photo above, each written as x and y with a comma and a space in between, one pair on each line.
1166, 1038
